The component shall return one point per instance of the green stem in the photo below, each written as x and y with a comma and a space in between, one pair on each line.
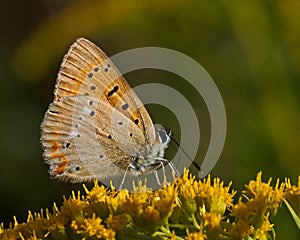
165, 232
182, 226
195, 222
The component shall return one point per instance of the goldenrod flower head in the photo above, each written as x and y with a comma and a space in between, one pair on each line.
92, 227
73, 207
97, 194
164, 200
212, 220
240, 229
1, 228
252, 216
185, 209
292, 195
150, 209
116, 223
194, 194
266, 227
96, 200
115, 202
187, 193
266, 197
198, 235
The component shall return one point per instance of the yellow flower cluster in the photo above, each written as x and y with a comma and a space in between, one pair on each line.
293, 195
185, 209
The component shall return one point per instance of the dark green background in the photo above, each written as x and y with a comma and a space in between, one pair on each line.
250, 48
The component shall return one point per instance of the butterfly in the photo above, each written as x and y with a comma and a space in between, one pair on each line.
97, 127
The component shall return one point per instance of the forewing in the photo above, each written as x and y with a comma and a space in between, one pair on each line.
87, 71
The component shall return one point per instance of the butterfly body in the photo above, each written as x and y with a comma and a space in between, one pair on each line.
149, 158
97, 127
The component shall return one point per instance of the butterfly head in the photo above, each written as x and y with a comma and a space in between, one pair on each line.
162, 138
152, 155
161, 142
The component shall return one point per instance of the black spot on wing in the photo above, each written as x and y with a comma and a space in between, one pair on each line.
114, 90
125, 106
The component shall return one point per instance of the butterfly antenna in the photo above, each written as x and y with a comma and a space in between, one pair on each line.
199, 168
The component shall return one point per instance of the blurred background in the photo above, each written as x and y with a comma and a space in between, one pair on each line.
250, 48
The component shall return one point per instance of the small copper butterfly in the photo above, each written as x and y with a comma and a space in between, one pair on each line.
96, 127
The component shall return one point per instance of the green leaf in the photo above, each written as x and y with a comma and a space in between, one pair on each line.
295, 216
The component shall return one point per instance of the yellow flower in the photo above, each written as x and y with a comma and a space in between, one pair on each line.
248, 215
262, 232
97, 194
73, 207
116, 223
92, 227
239, 229
164, 200
187, 208
268, 198
212, 223
292, 195
212, 220
251, 217
139, 207
216, 198
115, 201
219, 197
1, 228
151, 215
32, 237
150, 209
187, 192
196, 235
135, 202
96, 200
9, 234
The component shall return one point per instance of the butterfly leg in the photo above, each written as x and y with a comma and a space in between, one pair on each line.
164, 175
124, 177
174, 169
157, 178
171, 165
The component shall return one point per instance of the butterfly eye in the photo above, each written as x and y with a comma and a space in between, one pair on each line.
163, 135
